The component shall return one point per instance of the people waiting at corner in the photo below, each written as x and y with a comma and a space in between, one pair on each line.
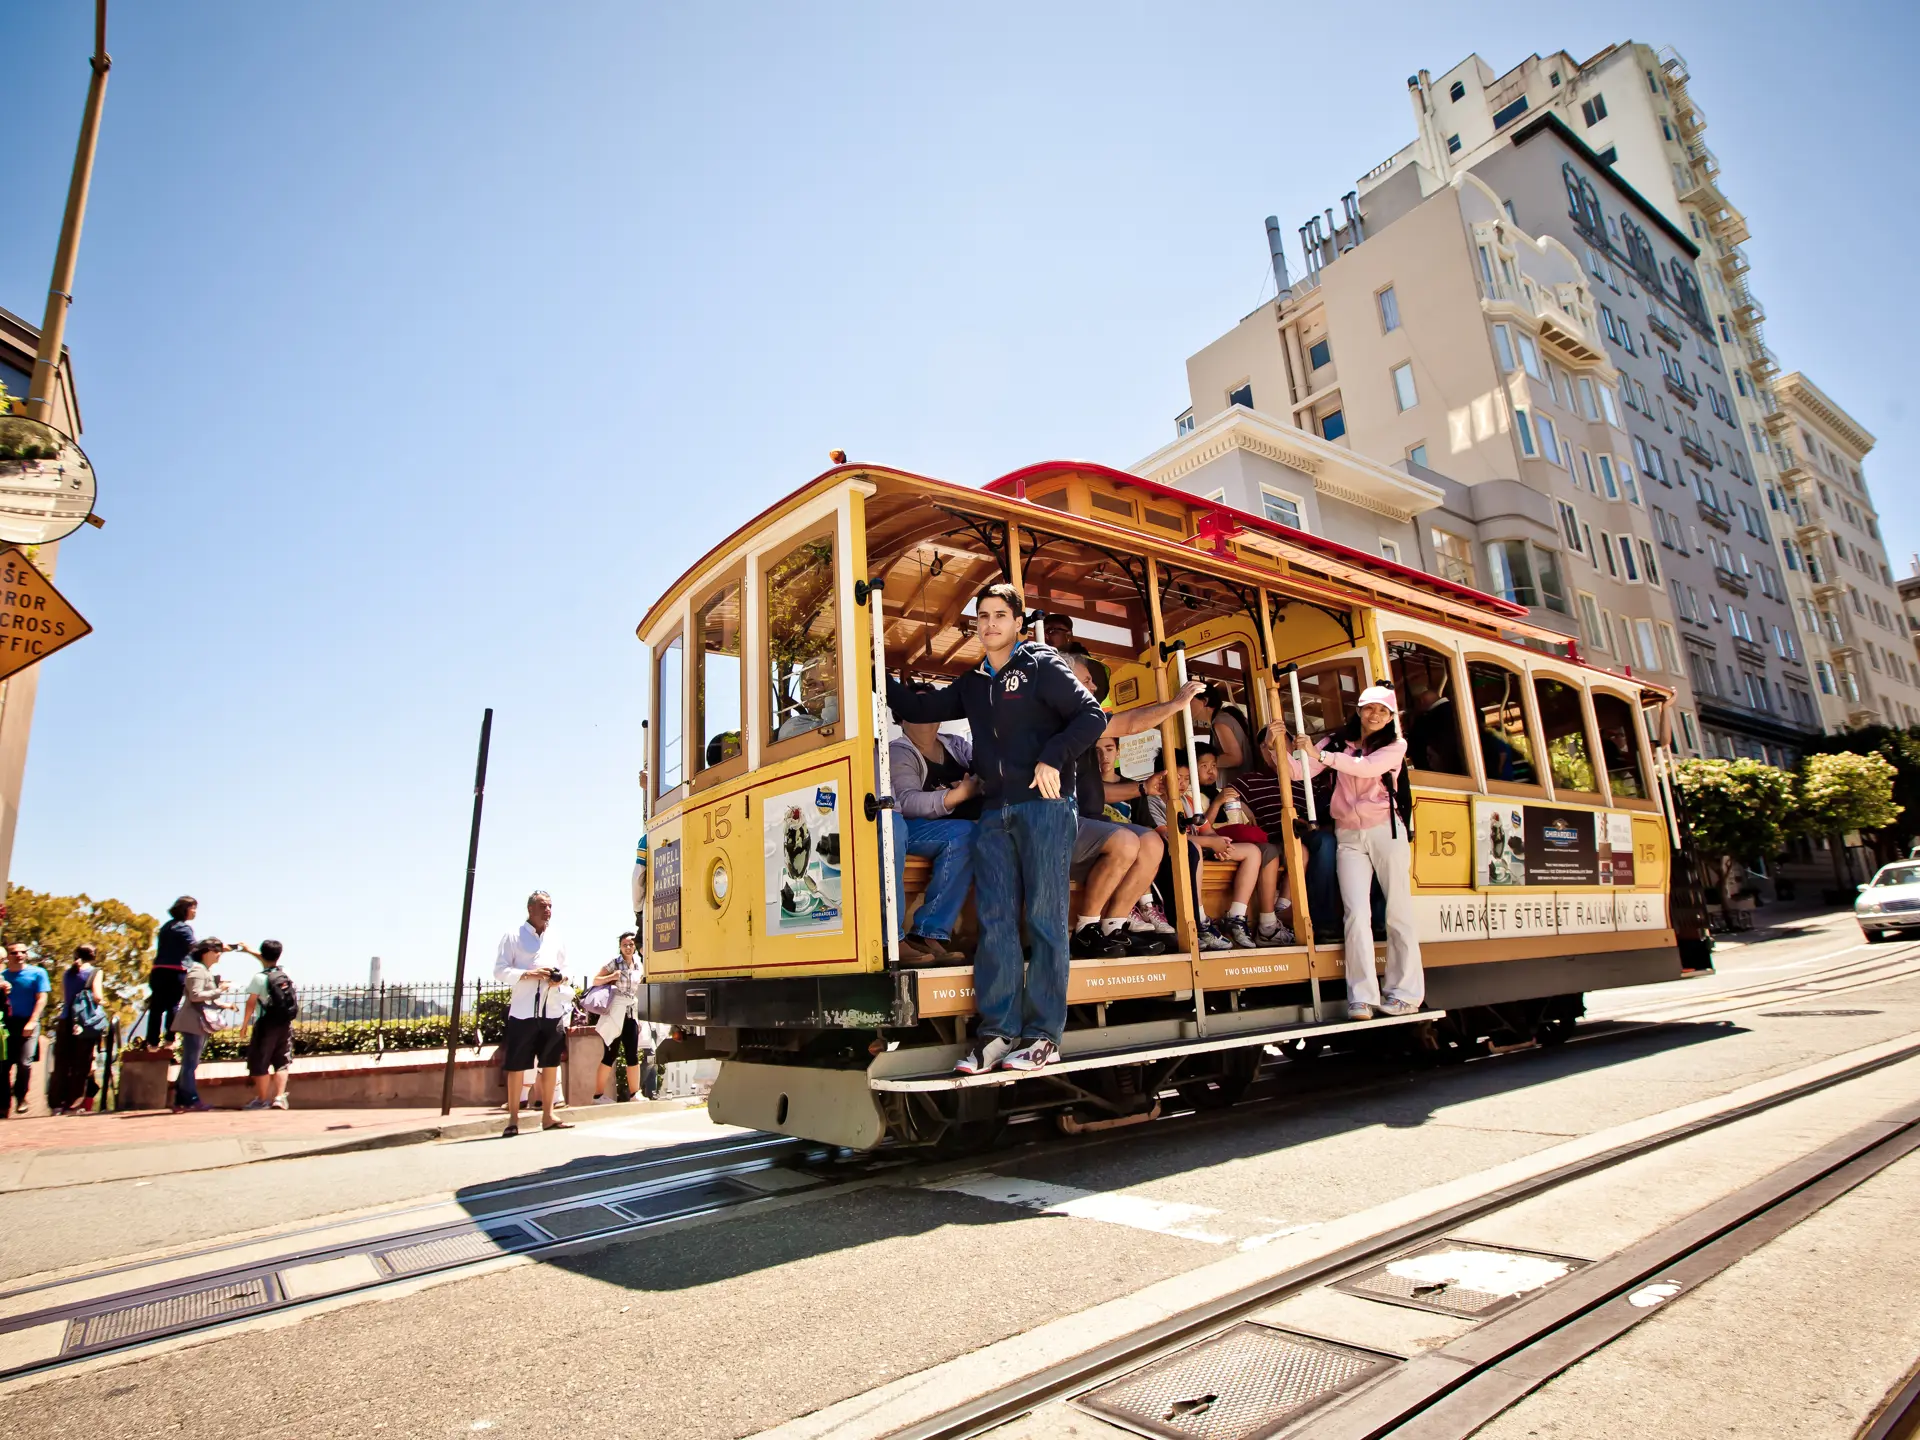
199, 994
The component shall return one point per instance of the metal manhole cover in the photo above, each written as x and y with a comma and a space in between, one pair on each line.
580, 1220
1245, 1383
450, 1250
685, 1200
1456, 1277
154, 1317
1800, 1014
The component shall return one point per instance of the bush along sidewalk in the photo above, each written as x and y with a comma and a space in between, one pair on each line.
367, 1037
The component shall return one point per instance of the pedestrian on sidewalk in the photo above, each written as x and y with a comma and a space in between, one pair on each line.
619, 1024
77, 1033
272, 1006
170, 950
27, 987
533, 960
199, 993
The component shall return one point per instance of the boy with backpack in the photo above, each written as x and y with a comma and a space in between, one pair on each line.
272, 1007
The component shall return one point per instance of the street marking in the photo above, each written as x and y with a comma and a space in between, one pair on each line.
1135, 1212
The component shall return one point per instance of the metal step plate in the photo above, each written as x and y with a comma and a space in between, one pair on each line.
1243, 1384
184, 1311
1458, 1277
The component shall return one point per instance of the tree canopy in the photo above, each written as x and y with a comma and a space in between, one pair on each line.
53, 926
1845, 791
1736, 808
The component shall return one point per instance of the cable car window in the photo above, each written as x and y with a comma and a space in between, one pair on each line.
803, 656
1329, 696
1506, 748
669, 763
1565, 725
1423, 679
1619, 747
718, 692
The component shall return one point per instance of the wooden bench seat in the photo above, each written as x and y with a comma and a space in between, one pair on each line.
1216, 885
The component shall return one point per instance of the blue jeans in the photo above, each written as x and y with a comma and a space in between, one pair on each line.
1023, 853
185, 1092
949, 844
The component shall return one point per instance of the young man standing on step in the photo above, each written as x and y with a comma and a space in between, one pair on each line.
1031, 721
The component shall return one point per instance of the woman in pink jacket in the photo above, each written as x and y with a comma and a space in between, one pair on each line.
1374, 843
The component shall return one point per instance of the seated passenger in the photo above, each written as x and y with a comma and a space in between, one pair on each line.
1248, 810
1233, 932
936, 802
1114, 862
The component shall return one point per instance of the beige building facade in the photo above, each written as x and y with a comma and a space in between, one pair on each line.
18, 342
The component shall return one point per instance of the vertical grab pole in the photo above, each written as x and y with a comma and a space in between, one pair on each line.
1313, 816
1183, 896
1290, 842
891, 900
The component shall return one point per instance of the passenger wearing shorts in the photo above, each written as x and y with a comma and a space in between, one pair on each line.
533, 960
1113, 862
270, 1043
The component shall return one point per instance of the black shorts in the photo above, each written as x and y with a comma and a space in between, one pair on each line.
534, 1041
628, 1039
270, 1048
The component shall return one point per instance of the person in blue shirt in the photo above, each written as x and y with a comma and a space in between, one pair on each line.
27, 987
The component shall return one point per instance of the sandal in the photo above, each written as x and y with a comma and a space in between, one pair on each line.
509, 1132
558, 1125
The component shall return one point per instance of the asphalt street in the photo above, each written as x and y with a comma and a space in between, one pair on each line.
738, 1323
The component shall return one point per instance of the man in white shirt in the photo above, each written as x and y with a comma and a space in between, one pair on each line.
533, 960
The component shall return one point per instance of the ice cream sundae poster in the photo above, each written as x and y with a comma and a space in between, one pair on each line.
802, 832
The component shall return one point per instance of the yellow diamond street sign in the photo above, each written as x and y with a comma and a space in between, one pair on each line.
35, 618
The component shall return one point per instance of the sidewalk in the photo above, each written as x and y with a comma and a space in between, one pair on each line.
41, 1151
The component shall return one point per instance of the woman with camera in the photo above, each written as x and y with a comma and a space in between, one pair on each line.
200, 992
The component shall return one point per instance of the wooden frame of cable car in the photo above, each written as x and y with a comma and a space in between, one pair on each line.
824, 1036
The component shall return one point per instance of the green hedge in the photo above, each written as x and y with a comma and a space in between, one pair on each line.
365, 1037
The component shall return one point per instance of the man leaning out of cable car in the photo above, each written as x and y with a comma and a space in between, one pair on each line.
1031, 720
1371, 824
936, 802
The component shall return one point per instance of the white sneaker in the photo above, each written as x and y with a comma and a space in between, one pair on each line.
1034, 1055
1278, 935
1359, 1012
1148, 915
279, 1102
986, 1054
1398, 1007
603, 1100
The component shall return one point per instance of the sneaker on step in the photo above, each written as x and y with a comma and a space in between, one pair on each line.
1145, 944
1090, 942
255, 1104
1276, 935
280, 1102
1359, 1012
1234, 927
1398, 1007
987, 1052
1033, 1055
1149, 915
1212, 939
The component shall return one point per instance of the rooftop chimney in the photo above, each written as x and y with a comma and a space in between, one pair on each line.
1279, 254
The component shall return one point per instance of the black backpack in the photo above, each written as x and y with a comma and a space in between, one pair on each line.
282, 1006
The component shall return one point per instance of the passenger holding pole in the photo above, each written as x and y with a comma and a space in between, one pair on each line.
1031, 721
1371, 820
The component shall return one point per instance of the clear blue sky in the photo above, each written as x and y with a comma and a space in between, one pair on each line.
420, 346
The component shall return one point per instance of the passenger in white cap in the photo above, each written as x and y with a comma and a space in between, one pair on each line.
1371, 810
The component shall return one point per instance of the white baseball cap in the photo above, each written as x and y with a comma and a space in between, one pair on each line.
1377, 695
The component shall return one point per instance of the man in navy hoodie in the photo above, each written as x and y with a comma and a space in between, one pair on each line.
1031, 719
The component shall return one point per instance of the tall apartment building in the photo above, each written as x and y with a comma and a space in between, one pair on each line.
1853, 603
1631, 105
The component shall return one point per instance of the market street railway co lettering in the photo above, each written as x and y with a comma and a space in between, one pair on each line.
35, 618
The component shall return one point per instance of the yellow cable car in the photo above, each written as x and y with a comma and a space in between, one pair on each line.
1547, 856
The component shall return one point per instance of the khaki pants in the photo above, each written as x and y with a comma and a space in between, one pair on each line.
1363, 855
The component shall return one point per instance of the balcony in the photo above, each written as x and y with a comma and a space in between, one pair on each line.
1727, 580
1734, 264
1699, 450
1760, 362
1748, 312
1680, 391
1704, 159
1779, 424
1659, 325
1749, 650
1560, 328
1714, 516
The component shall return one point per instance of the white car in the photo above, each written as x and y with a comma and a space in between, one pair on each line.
1890, 902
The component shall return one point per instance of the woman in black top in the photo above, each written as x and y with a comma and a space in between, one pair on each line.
169, 972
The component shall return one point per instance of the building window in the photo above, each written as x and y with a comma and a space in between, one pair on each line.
1453, 556
1606, 478
1529, 354
1418, 454
1823, 672
1333, 424
1553, 594
1508, 113
1590, 621
1241, 395
1507, 205
1628, 566
1389, 310
1453, 144
1569, 526
1510, 572
1403, 390
1390, 550
1669, 648
1183, 425
1502, 342
1606, 406
1526, 432
1457, 92
1648, 563
1281, 508
1549, 439
1318, 354
1594, 110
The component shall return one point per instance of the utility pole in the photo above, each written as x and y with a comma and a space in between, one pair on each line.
53, 330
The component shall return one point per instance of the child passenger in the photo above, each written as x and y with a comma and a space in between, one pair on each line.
1233, 932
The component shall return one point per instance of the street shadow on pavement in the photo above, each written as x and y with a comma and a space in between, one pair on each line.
1321, 1107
